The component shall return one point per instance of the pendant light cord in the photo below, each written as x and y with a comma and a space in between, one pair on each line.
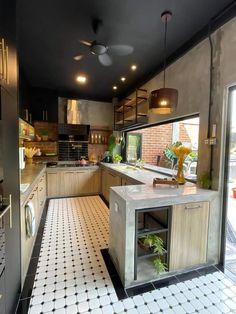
164, 63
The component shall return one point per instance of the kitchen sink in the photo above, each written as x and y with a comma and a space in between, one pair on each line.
125, 168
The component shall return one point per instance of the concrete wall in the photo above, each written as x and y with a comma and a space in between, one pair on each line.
190, 75
95, 113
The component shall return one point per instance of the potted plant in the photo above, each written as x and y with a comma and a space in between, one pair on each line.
111, 145
154, 244
117, 158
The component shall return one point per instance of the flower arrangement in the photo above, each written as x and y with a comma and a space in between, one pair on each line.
181, 152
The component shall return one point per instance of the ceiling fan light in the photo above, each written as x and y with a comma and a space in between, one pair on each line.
163, 100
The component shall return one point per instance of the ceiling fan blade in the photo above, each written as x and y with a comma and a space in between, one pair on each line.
86, 43
121, 50
78, 58
105, 60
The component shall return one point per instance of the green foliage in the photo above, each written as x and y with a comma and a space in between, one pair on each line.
192, 156
168, 151
156, 244
159, 265
112, 144
117, 157
204, 180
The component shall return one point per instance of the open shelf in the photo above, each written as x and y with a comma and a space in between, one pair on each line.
150, 225
131, 111
151, 221
143, 253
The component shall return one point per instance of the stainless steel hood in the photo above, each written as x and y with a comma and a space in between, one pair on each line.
72, 112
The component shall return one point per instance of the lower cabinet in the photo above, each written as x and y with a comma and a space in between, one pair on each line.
53, 183
72, 183
37, 197
189, 235
42, 194
109, 179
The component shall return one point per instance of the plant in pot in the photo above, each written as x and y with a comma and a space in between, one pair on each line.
117, 158
154, 244
111, 145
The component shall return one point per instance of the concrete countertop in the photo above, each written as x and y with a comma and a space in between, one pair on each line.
166, 195
30, 175
63, 168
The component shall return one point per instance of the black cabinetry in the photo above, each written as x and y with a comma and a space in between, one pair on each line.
10, 156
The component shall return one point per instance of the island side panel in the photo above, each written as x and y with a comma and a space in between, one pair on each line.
117, 233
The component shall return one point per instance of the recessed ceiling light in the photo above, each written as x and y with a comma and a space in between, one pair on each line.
114, 87
81, 79
122, 78
133, 67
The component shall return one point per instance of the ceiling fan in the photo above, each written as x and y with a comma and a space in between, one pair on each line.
101, 50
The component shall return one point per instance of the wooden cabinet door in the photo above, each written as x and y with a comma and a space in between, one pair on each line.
104, 184
189, 235
53, 183
68, 183
26, 242
95, 181
83, 182
41, 193
112, 180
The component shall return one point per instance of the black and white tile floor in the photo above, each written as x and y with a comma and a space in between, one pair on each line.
71, 276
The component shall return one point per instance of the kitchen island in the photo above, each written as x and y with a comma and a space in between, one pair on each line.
187, 218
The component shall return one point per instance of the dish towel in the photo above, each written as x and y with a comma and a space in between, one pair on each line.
30, 219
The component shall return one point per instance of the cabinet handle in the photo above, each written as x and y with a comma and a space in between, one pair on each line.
192, 207
112, 175
2, 58
46, 115
31, 197
10, 211
7, 60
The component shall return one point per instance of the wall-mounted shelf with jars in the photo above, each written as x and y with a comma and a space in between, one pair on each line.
99, 136
131, 111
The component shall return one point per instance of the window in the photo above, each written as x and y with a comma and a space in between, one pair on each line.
150, 143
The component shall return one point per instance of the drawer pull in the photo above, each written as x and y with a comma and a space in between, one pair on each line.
193, 207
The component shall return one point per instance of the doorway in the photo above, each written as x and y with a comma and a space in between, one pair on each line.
229, 200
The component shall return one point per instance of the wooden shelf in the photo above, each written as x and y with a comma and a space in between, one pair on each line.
129, 112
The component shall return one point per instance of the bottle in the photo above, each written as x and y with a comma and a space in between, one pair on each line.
92, 138
99, 139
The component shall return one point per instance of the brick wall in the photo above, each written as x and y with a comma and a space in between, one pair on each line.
155, 139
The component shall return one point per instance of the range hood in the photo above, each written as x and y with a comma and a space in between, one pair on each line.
72, 112
73, 130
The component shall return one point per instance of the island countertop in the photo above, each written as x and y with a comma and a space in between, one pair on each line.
144, 192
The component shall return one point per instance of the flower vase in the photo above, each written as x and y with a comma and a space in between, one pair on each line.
180, 173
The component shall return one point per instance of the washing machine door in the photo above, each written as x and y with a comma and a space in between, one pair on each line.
30, 219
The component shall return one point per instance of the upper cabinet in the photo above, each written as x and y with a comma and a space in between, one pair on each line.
8, 57
131, 111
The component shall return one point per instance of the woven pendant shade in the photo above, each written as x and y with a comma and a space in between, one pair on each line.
163, 100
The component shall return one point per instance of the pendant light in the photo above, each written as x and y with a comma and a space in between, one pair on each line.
164, 100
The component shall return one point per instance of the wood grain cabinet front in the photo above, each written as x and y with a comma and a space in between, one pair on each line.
53, 183
42, 193
189, 235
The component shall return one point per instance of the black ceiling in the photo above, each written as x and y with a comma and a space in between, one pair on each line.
49, 33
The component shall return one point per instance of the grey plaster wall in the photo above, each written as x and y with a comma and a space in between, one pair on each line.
190, 75
95, 113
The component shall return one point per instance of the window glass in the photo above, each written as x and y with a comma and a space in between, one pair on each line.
152, 143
